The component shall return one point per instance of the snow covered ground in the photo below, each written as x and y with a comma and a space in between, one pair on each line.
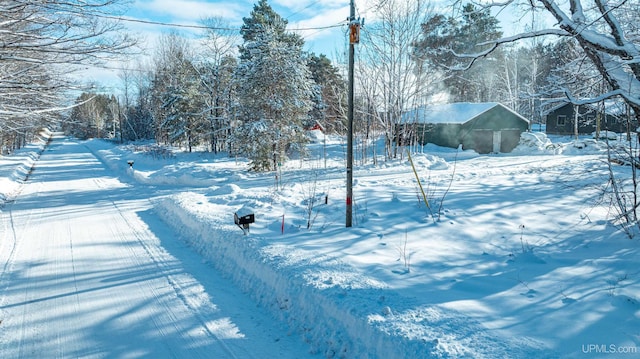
89, 271
520, 260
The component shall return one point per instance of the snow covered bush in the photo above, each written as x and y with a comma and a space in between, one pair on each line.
605, 135
536, 141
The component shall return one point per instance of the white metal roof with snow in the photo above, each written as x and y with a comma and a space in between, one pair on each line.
611, 107
457, 113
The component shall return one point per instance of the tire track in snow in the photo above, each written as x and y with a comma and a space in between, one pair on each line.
8, 273
73, 262
180, 293
157, 297
10, 239
141, 239
89, 278
58, 307
158, 258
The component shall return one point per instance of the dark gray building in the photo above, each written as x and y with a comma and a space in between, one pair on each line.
484, 127
561, 119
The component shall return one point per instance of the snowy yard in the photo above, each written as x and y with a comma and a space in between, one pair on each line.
520, 260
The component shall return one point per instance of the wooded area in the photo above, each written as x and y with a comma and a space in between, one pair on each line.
254, 91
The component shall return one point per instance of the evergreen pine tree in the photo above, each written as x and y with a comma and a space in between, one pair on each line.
264, 17
274, 89
327, 99
443, 38
184, 106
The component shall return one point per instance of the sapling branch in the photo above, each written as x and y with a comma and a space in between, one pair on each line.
424, 195
404, 255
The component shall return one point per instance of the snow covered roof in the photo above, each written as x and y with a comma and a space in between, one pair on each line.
459, 112
612, 107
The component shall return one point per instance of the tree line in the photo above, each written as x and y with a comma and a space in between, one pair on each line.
41, 43
252, 93
255, 91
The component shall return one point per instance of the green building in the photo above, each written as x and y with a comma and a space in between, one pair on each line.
484, 127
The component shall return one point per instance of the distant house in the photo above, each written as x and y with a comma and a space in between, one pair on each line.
561, 119
483, 127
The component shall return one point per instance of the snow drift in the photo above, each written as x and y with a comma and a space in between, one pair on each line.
341, 313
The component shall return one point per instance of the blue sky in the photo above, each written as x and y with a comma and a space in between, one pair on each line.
307, 15
301, 14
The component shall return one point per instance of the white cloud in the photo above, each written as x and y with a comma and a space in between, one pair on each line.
191, 10
322, 19
302, 14
309, 4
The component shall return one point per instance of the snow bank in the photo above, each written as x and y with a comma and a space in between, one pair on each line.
605, 135
150, 169
339, 311
20, 164
318, 306
536, 142
539, 143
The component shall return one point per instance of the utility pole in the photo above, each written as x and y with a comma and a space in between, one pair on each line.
354, 38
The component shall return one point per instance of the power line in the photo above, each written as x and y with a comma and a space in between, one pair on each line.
204, 27
159, 23
303, 9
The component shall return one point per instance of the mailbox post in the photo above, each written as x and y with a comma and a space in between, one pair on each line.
244, 221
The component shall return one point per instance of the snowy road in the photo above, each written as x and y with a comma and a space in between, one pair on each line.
87, 270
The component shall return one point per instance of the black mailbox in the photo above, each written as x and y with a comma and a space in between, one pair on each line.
247, 219
244, 221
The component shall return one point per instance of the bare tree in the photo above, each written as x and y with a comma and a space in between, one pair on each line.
607, 34
389, 75
136, 117
127, 77
41, 41
219, 62
179, 109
